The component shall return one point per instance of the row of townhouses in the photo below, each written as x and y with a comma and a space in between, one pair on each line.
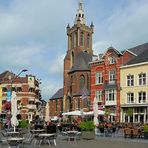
118, 79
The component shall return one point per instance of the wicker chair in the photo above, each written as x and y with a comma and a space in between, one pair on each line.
127, 132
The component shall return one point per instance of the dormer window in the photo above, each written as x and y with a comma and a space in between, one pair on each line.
111, 60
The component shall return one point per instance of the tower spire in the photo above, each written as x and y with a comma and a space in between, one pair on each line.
80, 4
80, 13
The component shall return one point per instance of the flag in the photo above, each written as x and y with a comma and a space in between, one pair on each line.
84, 93
84, 96
9, 93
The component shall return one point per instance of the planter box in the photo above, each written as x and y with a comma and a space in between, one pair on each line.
88, 135
145, 135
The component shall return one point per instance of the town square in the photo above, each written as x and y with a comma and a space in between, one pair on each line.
74, 73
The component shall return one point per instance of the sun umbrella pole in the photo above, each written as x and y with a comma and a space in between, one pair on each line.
14, 129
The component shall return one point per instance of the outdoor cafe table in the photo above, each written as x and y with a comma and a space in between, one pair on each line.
15, 141
12, 134
72, 134
48, 137
38, 130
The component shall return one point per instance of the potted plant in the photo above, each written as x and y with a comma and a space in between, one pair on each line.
87, 128
146, 131
23, 124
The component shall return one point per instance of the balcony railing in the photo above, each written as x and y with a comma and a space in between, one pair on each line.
112, 82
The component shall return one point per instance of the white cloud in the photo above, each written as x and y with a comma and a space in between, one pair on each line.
126, 27
33, 20
20, 56
100, 47
57, 65
49, 88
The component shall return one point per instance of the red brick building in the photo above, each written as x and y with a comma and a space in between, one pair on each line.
56, 104
27, 91
105, 78
76, 68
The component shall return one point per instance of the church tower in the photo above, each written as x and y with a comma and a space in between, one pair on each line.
79, 53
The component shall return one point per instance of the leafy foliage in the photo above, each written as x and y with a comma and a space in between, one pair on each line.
23, 123
87, 126
145, 127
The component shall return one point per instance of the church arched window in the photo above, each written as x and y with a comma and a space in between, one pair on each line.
72, 42
81, 39
75, 39
72, 58
88, 41
82, 82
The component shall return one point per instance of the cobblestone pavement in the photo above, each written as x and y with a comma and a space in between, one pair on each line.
98, 142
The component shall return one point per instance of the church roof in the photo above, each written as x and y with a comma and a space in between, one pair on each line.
58, 94
81, 62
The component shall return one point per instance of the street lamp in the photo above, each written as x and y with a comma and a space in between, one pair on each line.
9, 93
24, 70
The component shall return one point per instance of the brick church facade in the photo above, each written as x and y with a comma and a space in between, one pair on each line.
76, 87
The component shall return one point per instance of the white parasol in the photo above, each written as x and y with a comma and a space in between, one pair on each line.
47, 113
14, 121
95, 110
72, 113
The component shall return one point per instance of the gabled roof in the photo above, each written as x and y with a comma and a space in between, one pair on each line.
6, 75
139, 49
112, 48
143, 57
58, 94
81, 61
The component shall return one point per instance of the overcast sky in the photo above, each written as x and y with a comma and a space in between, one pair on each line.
33, 33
